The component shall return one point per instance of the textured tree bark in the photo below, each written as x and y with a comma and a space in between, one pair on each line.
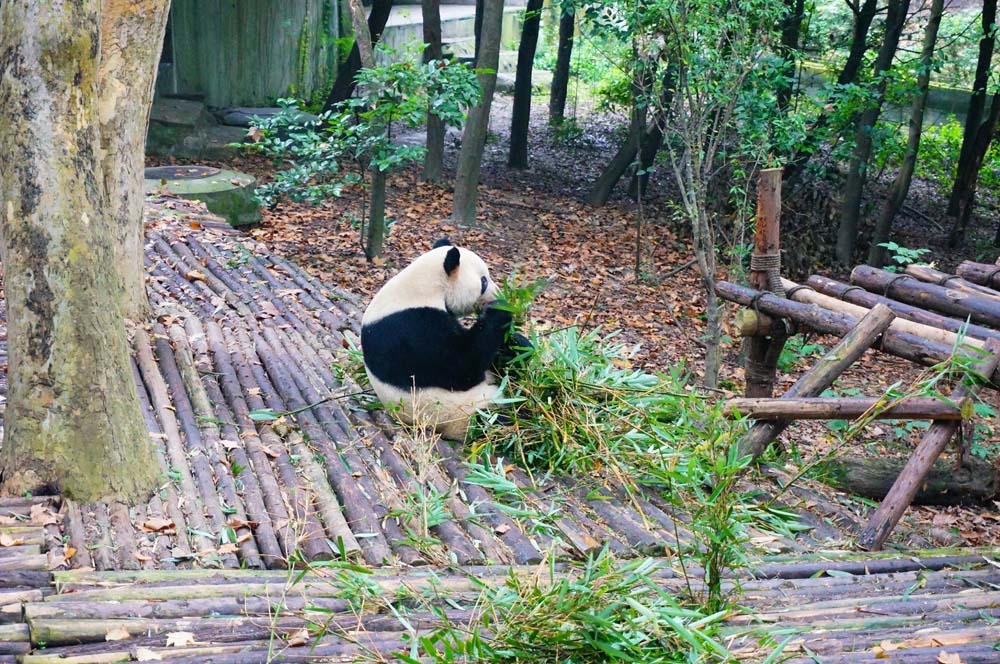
973, 117
521, 114
791, 27
901, 185
974, 482
131, 41
846, 408
474, 139
850, 210
343, 86
73, 421
434, 158
560, 75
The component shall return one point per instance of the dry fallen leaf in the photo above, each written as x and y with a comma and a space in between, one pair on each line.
180, 639
157, 524
949, 658
147, 655
194, 275
43, 516
6, 539
118, 633
299, 637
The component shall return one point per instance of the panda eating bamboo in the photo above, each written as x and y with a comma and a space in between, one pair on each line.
419, 356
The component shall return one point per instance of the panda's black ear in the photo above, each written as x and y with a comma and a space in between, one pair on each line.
451, 260
443, 242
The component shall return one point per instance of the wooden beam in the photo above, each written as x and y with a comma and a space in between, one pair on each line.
835, 408
885, 518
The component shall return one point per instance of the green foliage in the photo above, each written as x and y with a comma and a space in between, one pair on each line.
902, 256
608, 611
316, 153
940, 145
798, 350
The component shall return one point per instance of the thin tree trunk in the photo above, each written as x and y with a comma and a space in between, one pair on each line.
477, 28
967, 173
901, 185
127, 77
625, 157
376, 215
434, 157
521, 112
73, 422
560, 76
343, 86
850, 211
474, 139
863, 17
791, 27
649, 144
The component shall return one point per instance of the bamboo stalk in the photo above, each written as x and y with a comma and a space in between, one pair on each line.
211, 444
175, 452
255, 504
233, 387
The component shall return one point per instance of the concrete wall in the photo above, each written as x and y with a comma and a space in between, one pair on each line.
249, 52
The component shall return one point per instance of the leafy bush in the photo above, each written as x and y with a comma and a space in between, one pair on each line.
940, 145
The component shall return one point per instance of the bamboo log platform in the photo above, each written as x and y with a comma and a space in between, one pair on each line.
837, 606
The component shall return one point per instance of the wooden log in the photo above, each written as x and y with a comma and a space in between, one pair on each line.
103, 551
810, 296
175, 452
77, 537
981, 273
751, 323
903, 287
848, 408
198, 455
233, 386
237, 526
256, 506
975, 482
932, 276
900, 344
859, 295
855, 342
765, 269
887, 515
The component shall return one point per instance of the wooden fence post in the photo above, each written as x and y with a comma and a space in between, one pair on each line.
761, 364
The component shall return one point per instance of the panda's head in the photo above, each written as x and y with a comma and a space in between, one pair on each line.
466, 283
446, 277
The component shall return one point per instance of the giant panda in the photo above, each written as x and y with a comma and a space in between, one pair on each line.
419, 356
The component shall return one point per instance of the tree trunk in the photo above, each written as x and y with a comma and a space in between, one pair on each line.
863, 17
973, 121
376, 215
73, 422
126, 80
343, 86
791, 27
650, 142
901, 185
477, 28
969, 172
560, 76
474, 139
850, 211
434, 158
974, 482
625, 157
521, 112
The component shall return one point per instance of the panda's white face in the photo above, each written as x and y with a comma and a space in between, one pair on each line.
447, 277
469, 286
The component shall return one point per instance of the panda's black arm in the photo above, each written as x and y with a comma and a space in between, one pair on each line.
484, 340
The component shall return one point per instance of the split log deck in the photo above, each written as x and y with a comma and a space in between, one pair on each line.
273, 460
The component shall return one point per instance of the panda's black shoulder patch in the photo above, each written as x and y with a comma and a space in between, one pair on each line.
426, 347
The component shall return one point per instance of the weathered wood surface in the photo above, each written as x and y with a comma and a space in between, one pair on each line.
837, 605
975, 481
848, 408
